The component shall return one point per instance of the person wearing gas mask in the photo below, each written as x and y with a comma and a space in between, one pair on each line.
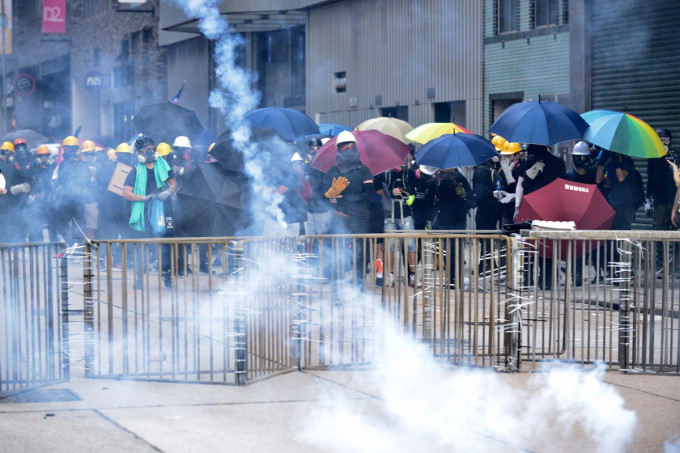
349, 187
540, 169
43, 191
72, 176
152, 178
396, 188
18, 187
182, 146
583, 171
90, 192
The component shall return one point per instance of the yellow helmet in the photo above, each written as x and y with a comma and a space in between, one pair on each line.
43, 149
70, 141
498, 142
163, 149
123, 148
87, 146
511, 148
8, 146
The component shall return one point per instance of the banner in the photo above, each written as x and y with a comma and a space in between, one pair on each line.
6, 22
54, 16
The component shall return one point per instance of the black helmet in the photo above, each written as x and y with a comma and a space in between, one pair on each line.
664, 133
143, 141
314, 141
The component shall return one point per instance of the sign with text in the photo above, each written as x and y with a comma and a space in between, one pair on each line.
54, 16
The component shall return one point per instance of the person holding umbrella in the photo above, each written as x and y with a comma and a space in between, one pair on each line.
349, 187
151, 179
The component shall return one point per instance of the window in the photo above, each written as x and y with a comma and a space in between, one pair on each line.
546, 12
94, 7
507, 16
450, 112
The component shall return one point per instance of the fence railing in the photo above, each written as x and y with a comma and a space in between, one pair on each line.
34, 335
237, 310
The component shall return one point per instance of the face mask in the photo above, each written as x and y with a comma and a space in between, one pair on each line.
147, 155
581, 161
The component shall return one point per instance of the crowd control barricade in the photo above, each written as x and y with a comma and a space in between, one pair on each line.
34, 337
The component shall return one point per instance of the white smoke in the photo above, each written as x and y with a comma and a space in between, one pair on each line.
423, 405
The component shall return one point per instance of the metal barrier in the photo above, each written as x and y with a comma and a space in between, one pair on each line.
243, 309
34, 339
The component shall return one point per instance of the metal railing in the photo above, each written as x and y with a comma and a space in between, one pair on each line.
34, 337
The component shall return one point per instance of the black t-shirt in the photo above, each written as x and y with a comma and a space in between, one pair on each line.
150, 180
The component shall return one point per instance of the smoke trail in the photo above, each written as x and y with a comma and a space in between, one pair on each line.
234, 98
424, 406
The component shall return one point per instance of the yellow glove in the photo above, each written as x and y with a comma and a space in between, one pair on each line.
339, 184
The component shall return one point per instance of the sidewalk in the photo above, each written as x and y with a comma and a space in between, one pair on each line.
267, 416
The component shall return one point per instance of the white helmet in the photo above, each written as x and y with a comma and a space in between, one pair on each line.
296, 157
581, 149
428, 170
344, 137
182, 142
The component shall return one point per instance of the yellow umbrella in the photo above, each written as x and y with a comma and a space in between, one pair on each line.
429, 131
387, 125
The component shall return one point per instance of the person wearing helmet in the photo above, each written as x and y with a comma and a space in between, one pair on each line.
7, 151
88, 150
349, 187
510, 171
151, 179
583, 170
124, 155
73, 177
43, 196
289, 181
313, 145
182, 146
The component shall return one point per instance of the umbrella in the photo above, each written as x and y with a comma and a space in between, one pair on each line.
387, 125
332, 129
33, 138
288, 123
564, 201
429, 131
456, 150
213, 202
267, 140
165, 121
622, 133
378, 151
540, 123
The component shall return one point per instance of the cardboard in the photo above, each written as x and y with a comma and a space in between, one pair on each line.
118, 178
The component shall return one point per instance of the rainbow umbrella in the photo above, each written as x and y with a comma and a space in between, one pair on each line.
622, 133
429, 131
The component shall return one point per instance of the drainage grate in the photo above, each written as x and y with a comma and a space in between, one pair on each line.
42, 396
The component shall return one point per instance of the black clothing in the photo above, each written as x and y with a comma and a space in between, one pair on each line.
319, 202
486, 179
392, 179
554, 168
660, 182
422, 205
621, 193
450, 207
151, 187
353, 206
588, 178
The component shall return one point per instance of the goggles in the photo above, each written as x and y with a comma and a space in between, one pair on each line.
346, 146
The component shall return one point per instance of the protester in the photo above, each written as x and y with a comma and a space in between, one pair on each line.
151, 179
583, 171
72, 176
18, 188
510, 172
349, 187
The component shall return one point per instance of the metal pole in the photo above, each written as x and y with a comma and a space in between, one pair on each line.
4, 51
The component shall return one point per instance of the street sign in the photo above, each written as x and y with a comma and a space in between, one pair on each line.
24, 84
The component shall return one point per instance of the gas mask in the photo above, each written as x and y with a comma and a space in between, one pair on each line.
147, 155
581, 161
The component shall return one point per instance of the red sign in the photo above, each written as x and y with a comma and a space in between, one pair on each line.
54, 16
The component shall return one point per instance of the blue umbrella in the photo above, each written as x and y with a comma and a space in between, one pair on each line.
456, 150
332, 129
288, 123
540, 123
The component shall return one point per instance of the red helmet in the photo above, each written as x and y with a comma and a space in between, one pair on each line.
19, 141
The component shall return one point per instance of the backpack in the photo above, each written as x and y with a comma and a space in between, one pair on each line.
638, 189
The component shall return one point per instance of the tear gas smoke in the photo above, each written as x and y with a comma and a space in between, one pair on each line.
424, 406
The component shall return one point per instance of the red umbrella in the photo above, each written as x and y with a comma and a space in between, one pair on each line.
378, 151
564, 201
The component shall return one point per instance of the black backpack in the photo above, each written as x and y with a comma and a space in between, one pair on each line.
638, 189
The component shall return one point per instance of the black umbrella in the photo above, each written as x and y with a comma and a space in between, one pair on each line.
267, 140
213, 202
33, 138
165, 121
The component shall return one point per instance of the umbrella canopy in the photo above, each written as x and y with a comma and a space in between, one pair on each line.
429, 131
540, 123
288, 123
622, 133
564, 201
213, 202
393, 127
379, 152
165, 121
332, 129
456, 150
33, 138
267, 140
